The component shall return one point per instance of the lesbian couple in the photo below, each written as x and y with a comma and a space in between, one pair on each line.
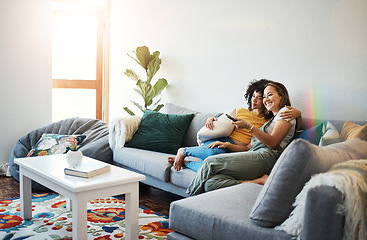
260, 135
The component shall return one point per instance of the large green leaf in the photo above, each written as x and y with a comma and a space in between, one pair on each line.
147, 91
155, 54
131, 74
149, 98
153, 67
143, 55
159, 86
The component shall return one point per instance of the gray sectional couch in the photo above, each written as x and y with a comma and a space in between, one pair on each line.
248, 211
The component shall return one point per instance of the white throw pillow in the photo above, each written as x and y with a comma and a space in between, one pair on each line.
223, 127
330, 135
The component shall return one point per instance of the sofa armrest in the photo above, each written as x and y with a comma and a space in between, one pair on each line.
121, 130
322, 219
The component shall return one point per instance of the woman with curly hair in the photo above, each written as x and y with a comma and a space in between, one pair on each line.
239, 140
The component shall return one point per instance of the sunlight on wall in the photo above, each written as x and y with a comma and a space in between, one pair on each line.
316, 104
315, 48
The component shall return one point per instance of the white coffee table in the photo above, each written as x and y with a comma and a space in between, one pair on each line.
49, 171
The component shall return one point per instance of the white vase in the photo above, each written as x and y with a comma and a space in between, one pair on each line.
74, 158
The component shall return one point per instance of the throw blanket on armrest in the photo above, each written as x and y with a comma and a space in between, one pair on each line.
350, 178
122, 130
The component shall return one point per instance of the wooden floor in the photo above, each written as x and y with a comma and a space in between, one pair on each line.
149, 197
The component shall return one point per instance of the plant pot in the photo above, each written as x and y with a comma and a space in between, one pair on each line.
74, 158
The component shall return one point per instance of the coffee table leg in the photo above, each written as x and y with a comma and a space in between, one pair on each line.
25, 196
79, 212
132, 213
68, 204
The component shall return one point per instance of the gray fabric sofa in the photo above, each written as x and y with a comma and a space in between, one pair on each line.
251, 211
248, 211
224, 214
154, 165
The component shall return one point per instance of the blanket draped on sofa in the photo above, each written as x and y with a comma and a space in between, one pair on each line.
124, 127
350, 178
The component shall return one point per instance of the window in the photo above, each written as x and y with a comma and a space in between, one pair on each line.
79, 54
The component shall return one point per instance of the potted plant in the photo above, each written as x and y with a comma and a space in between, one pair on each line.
74, 156
151, 64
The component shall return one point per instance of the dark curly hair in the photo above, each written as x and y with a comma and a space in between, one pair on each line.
257, 86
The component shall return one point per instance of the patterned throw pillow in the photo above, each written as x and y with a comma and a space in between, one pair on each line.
51, 144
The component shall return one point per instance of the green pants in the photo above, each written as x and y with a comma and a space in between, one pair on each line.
230, 169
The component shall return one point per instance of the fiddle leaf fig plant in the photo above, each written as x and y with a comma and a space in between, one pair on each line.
146, 89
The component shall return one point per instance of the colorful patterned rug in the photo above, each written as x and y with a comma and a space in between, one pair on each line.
51, 220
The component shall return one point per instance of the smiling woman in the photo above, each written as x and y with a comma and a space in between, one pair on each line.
275, 97
79, 69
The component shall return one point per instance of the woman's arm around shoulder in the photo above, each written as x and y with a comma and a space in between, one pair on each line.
290, 114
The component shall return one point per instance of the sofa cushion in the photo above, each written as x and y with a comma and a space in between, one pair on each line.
299, 161
160, 132
147, 162
196, 124
221, 214
330, 135
352, 130
183, 177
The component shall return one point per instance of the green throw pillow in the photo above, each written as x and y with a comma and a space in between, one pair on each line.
313, 135
160, 132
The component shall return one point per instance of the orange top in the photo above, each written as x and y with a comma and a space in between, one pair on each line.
255, 119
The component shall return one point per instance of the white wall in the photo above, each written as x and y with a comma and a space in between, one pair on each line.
211, 50
25, 69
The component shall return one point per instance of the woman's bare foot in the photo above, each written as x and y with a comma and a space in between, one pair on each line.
178, 160
171, 160
260, 181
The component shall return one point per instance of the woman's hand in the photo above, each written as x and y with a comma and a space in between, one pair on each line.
218, 144
242, 123
290, 114
210, 123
